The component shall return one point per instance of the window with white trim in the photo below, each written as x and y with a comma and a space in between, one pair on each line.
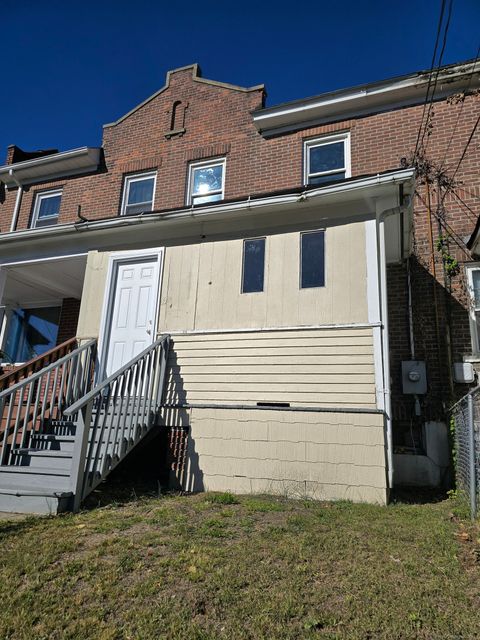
327, 159
473, 274
138, 193
206, 182
46, 208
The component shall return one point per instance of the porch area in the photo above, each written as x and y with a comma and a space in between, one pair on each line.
39, 307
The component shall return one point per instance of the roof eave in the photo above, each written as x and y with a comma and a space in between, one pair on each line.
362, 100
57, 165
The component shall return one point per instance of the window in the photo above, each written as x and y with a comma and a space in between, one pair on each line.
30, 333
312, 259
46, 209
474, 282
138, 193
327, 159
253, 265
206, 182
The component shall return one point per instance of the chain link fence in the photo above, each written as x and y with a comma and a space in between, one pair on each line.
466, 416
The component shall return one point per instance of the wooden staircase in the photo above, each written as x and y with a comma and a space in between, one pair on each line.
62, 435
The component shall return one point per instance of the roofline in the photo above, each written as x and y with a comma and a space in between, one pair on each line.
196, 76
11, 174
359, 99
221, 209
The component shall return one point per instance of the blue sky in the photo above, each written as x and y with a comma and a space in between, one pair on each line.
70, 66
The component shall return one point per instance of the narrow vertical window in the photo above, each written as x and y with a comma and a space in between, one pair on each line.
253, 265
312, 259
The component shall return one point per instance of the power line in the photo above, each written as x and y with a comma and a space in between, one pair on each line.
460, 243
466, 146
432, 66
475, 215
461, 106
444, 43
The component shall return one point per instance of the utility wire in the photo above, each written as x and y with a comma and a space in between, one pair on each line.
475, 216
457, 240
432, 66
470, 138
439, 64
461, 106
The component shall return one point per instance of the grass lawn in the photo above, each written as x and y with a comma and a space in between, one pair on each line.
217, 566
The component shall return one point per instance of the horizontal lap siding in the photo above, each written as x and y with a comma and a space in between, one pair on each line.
328, 367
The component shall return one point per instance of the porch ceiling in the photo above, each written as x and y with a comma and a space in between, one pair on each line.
44, 282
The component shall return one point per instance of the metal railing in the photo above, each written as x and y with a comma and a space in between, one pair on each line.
115, 415
28, 404
466, 416
36, 364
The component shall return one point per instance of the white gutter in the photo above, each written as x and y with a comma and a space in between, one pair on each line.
382, 279
18, 201
363, 99
190, 213
60, 164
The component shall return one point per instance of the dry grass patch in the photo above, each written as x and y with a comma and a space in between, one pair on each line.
222, 566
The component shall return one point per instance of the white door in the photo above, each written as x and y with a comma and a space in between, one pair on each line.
132, 311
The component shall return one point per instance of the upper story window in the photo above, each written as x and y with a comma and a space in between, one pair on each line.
46, 208
327, 159
138, 193
473, 274
312, 259
206, 181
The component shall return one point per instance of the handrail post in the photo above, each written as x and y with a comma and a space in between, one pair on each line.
165, 347
82, 422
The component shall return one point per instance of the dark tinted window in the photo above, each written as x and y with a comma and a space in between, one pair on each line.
253, 265
312, 259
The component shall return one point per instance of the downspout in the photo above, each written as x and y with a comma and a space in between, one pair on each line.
382, 278
18, 201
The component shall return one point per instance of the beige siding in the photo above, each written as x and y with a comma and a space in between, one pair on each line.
201, 285
320, 455
93, 293
304, 367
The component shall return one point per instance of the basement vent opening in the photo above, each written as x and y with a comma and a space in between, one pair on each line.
273, 404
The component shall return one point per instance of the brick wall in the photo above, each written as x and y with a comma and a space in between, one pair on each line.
68, 319
217, 121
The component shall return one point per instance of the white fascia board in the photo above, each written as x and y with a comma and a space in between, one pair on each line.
333, 194
62, 164
361, 101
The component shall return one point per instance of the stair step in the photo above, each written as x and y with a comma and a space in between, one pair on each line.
52, 442
59, 427
44, 453
52, 437
30, 470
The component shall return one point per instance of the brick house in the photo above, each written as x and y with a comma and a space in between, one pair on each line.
310, 270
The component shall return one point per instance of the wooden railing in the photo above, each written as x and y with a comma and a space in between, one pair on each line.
26, 405
115, 415
36, 364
